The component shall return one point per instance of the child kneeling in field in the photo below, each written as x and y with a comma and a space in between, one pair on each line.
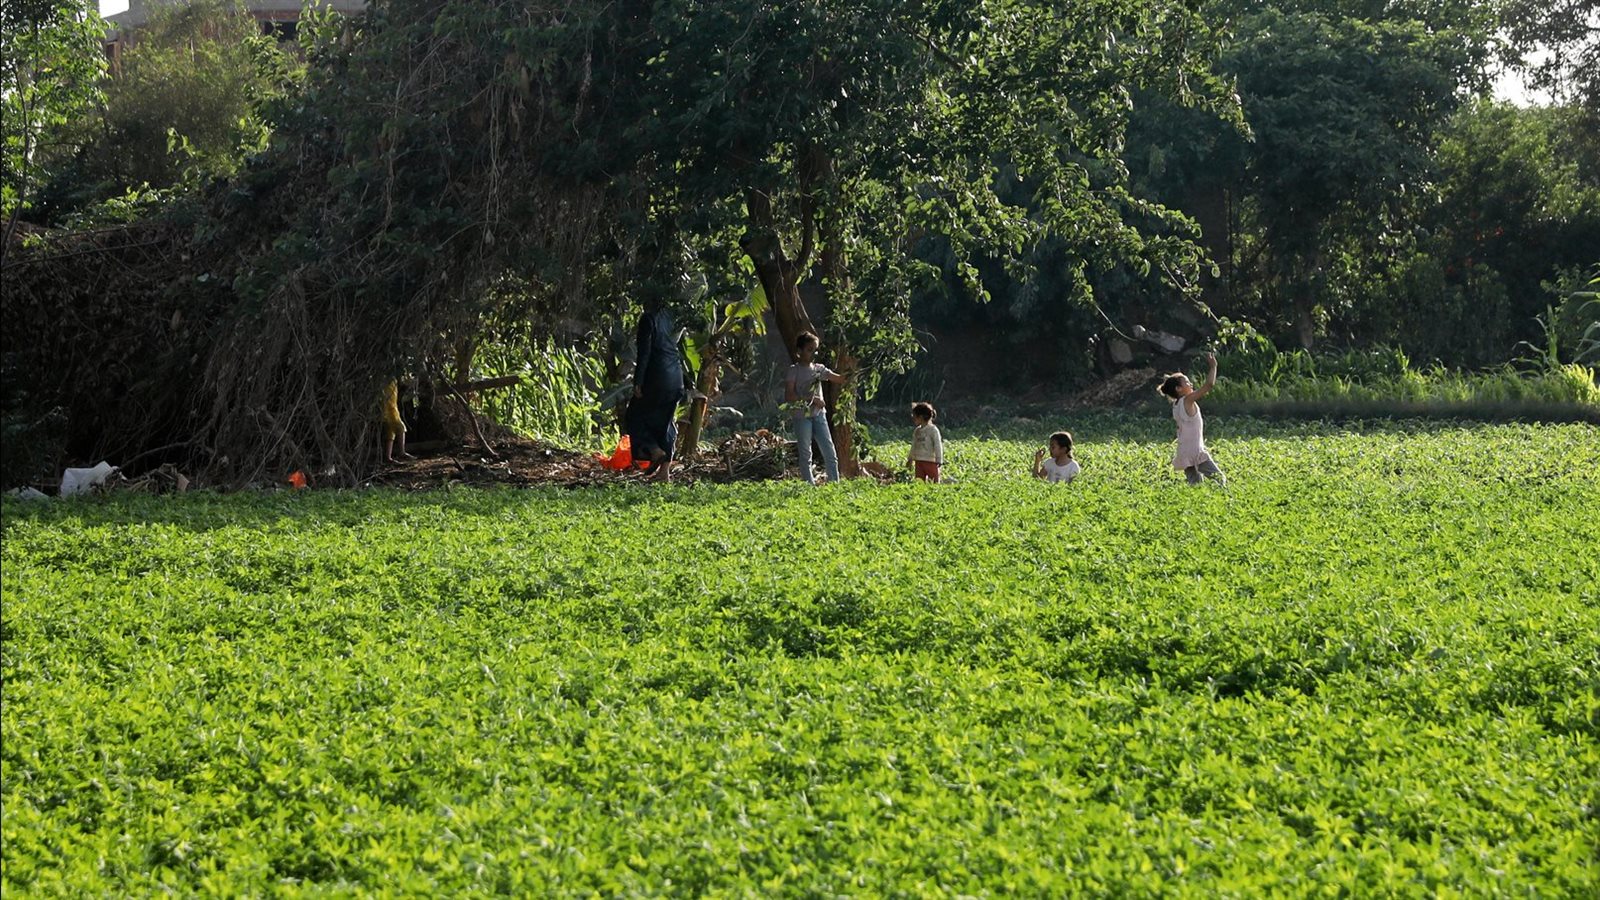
927, 447
1054, 463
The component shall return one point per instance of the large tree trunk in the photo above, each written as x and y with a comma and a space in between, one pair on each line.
1211, 208
780, 278
779, 275
1305, 323
841, 397
842, 412
1305, 301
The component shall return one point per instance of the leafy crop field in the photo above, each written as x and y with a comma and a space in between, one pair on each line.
1371, 666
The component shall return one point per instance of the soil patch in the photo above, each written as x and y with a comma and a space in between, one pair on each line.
745, 456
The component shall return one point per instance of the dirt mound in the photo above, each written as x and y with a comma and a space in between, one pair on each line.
1126, 388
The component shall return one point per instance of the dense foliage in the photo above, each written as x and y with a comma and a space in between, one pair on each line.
1368, 667
596, 153
49, 66
188, 100
1372, 200
1389, 381
496, 175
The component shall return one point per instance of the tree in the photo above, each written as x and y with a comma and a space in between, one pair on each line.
1343, 101
50, 64
439, 147
847, 130
1568, 31
1514, 208
189, 98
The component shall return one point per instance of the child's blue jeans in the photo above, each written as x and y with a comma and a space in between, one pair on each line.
815, 426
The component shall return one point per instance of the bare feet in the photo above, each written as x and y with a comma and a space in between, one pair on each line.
660, 466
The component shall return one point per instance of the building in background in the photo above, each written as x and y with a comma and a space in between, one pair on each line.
277, 17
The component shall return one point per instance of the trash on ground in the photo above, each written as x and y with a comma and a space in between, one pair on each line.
82, 481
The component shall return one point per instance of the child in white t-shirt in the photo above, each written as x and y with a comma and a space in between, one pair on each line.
802, 395
1055, 463
927, 446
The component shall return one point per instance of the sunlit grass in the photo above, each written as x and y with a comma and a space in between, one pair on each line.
1368, 666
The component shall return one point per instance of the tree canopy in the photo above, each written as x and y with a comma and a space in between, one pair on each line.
602, 151
50, 63
449, 170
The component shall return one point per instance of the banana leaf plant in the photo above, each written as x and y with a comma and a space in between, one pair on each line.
705, 354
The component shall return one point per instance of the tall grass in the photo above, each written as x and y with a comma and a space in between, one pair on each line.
559, 399
1570, 383
1262, 378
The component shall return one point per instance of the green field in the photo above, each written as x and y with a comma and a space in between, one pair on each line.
1371, 666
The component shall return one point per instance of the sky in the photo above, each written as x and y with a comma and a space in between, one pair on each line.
1509, 87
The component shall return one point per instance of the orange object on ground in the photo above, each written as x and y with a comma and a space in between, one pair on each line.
620, 458
297, 479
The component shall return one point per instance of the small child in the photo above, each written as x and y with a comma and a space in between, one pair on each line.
1192, 458
1058, 466
394, 428
927, 447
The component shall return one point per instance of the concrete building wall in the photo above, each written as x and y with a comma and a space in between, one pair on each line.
138, 11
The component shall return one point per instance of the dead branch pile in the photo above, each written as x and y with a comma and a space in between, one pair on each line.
755, 456
165, 479
381, 274
1125, 387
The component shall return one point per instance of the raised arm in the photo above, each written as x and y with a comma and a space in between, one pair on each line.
1038, 463
1211, 379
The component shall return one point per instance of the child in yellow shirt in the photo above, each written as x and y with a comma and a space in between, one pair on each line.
394, 428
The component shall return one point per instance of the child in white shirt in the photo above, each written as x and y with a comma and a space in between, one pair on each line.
927, 447
802, 395
1059, 464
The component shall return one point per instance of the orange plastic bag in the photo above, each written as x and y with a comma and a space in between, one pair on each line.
620, 458
297, 480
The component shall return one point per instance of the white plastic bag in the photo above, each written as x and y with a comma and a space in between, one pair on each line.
82, 481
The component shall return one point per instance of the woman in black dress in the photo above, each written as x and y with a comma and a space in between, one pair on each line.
657, 391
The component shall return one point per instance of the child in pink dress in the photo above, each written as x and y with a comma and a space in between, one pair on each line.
1192, 458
